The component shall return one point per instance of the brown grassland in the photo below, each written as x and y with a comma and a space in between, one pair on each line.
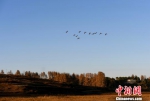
21, 88
103, 97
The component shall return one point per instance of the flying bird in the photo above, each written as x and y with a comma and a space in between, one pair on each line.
78, 38
100, 33
105, 33
74, 35
79, 31
89, 33
93, 33
66, 31
84, 32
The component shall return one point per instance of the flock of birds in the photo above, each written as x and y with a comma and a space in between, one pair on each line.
75, 35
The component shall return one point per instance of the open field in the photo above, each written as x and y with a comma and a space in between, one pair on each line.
103, 97
21, 88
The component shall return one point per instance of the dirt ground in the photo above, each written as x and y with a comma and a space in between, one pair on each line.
104, 97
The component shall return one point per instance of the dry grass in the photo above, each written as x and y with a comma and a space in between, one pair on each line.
111, 97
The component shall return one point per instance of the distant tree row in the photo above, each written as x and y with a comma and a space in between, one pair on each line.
86, 79
141, 81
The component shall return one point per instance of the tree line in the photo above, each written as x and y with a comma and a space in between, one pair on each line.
86, 79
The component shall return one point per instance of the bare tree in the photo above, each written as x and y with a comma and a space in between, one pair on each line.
2, 72
28, 73
10, 72
43, 75
81, 79
17, 72
100, 79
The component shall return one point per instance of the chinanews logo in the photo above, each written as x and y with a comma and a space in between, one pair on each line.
136, 90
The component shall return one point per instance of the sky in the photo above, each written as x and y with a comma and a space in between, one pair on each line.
33, 36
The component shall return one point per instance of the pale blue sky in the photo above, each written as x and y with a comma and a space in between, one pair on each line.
32, 36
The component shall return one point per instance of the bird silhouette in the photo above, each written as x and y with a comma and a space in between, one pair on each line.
84, 32
93, 33
78, 38
66, 31
79, 31
74, 35
100, 33
105, 33
89, 33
